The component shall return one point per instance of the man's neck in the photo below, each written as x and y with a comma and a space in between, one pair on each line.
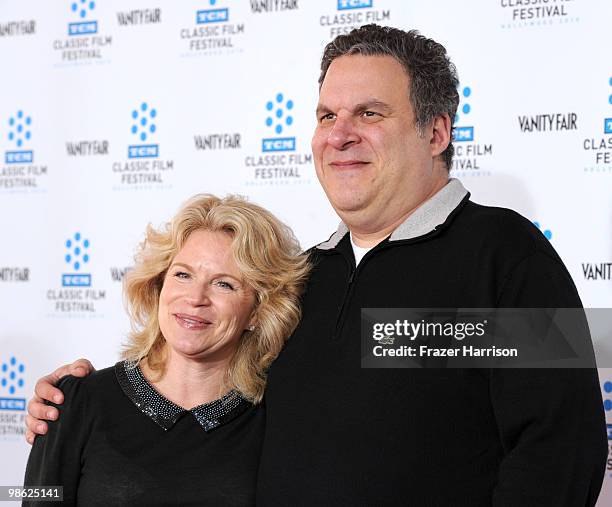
367, 236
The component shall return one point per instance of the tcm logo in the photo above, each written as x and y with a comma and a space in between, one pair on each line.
76, 257
547, 232
82, 8
279, 117
608, 121
212, 15
19, 134
354, 4
461, 134
143, 127
11, 383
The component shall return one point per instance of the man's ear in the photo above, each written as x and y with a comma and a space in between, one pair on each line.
440, 135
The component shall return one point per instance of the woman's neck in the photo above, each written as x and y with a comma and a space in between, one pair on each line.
186, 382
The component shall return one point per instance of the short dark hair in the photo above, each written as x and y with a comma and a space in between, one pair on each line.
433, 77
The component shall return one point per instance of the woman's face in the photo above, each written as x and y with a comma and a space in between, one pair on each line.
204, 306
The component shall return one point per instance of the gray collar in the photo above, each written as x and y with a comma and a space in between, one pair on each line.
164, 412
423, 220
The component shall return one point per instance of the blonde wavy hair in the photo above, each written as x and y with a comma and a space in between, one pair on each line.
269, 259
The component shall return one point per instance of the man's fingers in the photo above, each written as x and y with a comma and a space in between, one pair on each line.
35, 425
81, 368
29, 436
46, 390
45, 386
38, 410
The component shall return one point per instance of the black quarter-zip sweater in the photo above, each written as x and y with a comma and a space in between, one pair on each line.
340, 435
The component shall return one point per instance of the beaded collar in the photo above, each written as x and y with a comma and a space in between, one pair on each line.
164, 412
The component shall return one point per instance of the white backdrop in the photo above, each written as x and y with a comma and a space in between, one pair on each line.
114, 112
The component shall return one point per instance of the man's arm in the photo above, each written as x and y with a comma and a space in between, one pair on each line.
551, 421
45, 390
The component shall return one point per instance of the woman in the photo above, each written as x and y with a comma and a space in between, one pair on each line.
180, 421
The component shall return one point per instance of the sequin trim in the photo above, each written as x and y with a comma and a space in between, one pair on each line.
164, 412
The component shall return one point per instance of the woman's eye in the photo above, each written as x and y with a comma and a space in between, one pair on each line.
225, 285
181, 275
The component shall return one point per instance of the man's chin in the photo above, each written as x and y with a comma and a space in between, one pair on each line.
348, 205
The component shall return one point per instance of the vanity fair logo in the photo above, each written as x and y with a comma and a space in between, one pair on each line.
268, 6
143, 168
85, 41
597, 271
20, 173
17, 28
278, 162
138, 17
118, 273
94, 147
14, 274
76, 295
213, 32
222, 141
350, 14
12, 398
471, 158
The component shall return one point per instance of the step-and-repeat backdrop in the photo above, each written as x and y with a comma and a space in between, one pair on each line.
112, 113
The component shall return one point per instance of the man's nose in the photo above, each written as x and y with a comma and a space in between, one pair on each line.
343, 134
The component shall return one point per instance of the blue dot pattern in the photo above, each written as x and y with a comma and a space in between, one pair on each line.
465, 93
78, 255
19, 129
547, 232
143, 125
82, 7
607, 387
12, 378
279, 116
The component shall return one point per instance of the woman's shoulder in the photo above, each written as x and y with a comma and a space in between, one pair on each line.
99, 380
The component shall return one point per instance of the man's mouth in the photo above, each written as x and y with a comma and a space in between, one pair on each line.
348, 164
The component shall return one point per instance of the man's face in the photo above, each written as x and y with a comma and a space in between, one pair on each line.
369, 158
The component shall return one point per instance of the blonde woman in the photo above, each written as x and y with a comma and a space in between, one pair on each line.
212, 298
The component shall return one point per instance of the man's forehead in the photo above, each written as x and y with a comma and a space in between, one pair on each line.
354, 80
359, 64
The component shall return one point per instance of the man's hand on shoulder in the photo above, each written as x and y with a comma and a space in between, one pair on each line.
45, 390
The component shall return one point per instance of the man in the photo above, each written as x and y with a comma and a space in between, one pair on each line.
340, 435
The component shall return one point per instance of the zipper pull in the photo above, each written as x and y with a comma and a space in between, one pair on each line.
350, 280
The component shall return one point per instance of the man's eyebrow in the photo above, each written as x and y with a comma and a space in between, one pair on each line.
372, 104
322, 109
362, 106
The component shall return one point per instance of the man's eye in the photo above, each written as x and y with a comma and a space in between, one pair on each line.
369, 114
327, 117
